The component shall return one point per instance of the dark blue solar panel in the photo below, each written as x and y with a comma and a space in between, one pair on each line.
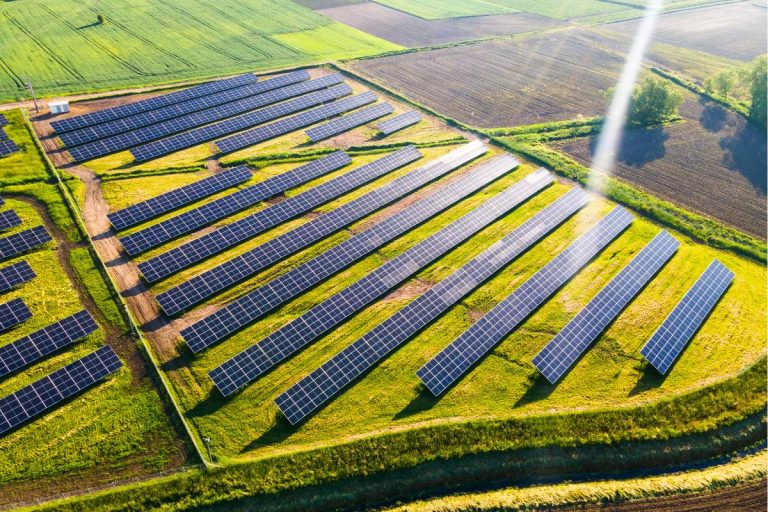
14, 275
176, 198
223, 207
8, 147
399, 122
251, 306
164, 100
13, 313
568, 345
53, 389
668, 342
3, 135
349, 121
39, 344
23, 241
3, 120
455, 360
9, 219
316, 389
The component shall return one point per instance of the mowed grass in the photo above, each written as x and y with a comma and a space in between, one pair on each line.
25, 165
61, 48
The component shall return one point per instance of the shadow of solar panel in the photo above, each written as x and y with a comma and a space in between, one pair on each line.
390, 126
102, 116
251, 306
349, 121
2, 201
53, 389
454, 361
18, 243
566, 347
29, 349
8, 147
9, 219
143, 136
158, 205
14, 275
313, 391
223, 207
13, 313
668, 342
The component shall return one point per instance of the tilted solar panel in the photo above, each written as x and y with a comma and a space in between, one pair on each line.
349, 121
2, 201
53, 389
9, 219
200, 118
207, 133
246, 309
455, 360
176, 198
32, 348
314, 390
283, 126
291, 338
14, 275
668, 342
566, 347
8, 147
390, 126
3, 120
236, 232
130, 109
142, 119
13, 313
3, 135
239, 268
21, 242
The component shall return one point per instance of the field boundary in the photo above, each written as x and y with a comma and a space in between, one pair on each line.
732, 105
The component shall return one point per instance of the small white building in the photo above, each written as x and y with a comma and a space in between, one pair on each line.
58, 106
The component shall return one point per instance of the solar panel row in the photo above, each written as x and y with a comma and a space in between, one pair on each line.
211, 282
21, 242
325, 382
220, 129
259, 358
13, 313
3, 120
149, 133
8, 147
236, 232
14, 275
399, 122
3, 135
455, 360
223, 207
283, 126
668, 342
124, 124
248, 308
9, 219
53, 389
349, 121
566, 347
32, 348
102, 116
158, 205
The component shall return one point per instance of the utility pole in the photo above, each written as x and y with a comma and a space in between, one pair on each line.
32, 93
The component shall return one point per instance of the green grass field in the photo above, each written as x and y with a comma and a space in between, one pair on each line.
60, 48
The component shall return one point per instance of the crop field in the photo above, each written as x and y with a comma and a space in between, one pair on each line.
407, 30
552, 8
713, 163
61, 48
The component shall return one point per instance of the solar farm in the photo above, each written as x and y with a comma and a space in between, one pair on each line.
310, 286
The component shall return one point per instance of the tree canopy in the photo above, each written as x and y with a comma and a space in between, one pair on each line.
654, 101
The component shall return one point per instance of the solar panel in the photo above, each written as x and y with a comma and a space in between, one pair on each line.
8, 147
149, 133
32, 348
236, 232
124, 124
455, 360
2, 201
210, 132
9, 219
14, 275
21, 242
246, 309
389, 126
239, 268
349, 121
297, 334
283, 126
102, 116
44, 394
3, 135
176, 198
223, 207
323, 383
13, 313
3, 120
567, 346
668, 342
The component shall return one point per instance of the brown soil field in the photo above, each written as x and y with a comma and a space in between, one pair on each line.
407, 30
713, 163
550, 77
737, 31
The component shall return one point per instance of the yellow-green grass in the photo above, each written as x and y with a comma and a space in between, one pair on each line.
431, 10
25, 165
558, 9
61, 48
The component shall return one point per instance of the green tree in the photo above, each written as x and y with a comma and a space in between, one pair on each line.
654, 101
724, 83
757, 80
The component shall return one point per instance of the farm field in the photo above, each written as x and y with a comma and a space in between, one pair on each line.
61, 48
551, 8
712, 163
